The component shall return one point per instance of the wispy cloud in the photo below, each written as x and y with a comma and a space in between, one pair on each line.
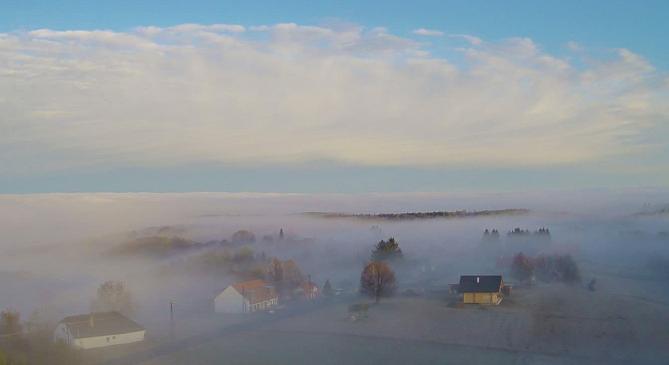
428, 32
474, 41
288, 93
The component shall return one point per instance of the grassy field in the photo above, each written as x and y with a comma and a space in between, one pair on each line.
550, 324
269, 347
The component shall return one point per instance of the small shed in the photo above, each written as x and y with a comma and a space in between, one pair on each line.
481, 289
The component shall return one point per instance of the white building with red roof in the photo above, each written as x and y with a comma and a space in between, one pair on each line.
247, 296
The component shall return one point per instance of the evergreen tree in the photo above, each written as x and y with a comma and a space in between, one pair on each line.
386, 250
327, 289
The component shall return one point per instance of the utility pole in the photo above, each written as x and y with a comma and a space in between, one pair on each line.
172, 320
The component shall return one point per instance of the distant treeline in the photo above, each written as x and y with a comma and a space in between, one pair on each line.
658, 211
163, 244
423, 215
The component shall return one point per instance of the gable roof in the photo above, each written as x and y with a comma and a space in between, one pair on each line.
255, 291
249, 285
480, 283
101, 324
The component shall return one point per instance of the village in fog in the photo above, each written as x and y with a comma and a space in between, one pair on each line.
228, 273
220, 182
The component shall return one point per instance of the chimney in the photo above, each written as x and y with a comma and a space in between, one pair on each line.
91, 321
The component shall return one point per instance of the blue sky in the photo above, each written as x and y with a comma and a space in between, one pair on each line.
352, 97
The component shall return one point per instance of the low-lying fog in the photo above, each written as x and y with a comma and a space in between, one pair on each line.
56, 249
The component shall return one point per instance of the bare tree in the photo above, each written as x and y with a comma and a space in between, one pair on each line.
113, 296
522, 268
377, 280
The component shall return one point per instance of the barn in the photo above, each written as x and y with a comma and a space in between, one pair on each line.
94, 330
481, 289
247, 296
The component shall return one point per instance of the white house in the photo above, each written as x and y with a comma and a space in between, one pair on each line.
308, 290
248, 296
93, 330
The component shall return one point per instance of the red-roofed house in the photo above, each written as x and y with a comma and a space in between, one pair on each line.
247, 296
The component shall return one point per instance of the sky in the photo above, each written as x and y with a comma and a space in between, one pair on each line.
345, 96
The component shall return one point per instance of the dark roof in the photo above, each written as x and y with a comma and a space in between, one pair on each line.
101, 324
480, 283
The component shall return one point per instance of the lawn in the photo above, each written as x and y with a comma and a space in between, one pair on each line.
275, 347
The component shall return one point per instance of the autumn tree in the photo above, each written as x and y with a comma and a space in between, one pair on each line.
386, 250
35, 345
275, 272
377, 280
522, 268
113, 296
10, 322
292, 275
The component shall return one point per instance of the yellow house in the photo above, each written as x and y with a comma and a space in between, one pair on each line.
481, 289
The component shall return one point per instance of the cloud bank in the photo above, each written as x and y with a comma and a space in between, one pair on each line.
291, 94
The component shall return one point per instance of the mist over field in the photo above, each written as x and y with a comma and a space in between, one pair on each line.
351, 182
58, 248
